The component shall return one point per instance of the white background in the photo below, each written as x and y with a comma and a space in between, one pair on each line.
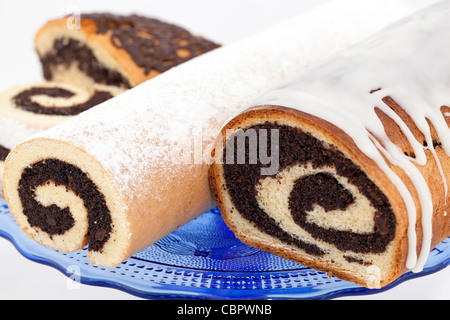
224, 21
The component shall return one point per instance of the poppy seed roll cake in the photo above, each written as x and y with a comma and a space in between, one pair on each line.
29, 109
109, 49
345, 167
126, 173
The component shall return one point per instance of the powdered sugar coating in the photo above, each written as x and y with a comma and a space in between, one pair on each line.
13, 131
142, 132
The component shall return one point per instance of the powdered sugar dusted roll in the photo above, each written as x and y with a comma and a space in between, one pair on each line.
359, 145
28, 109
128, 172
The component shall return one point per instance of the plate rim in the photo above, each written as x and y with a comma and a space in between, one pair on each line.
163, 291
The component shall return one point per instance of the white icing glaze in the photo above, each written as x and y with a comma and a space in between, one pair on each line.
410, 62
137, 134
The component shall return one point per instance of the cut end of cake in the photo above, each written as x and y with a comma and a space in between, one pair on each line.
114, 50
26, 110
63, 199
290, 188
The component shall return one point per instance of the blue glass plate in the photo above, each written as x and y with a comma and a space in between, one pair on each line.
203, 260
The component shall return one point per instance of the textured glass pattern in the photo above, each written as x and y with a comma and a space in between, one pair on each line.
203, 260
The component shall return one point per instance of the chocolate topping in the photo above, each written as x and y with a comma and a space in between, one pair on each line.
298, 147
23, 101
151, 43
54, 220
3, 153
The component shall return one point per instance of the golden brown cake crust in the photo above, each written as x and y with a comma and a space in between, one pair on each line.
441, 225
133, 47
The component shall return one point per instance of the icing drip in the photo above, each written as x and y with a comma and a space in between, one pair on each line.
401, 62
147, 127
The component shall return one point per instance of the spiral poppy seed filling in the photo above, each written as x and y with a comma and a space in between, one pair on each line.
24, 101
318, 189
55, 220
67, 51
152, 45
